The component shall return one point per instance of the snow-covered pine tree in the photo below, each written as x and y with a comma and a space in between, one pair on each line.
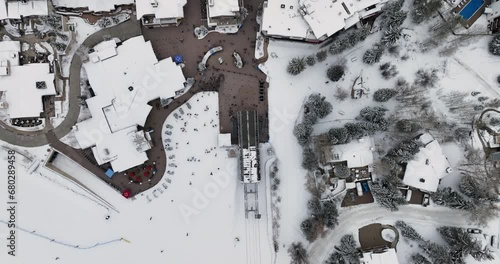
296, 66
303, 132
321, 55
494, 46
298, 253
309, 159
408, 232
391, 35
418, 258
373, 54
336, 258
335, 72
310, 60
384, 94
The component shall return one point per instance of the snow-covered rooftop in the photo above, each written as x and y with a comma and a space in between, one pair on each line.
493, 11
124, 149
18, 9
3, 10
387, 257
357, 153
428, 166
92, 5
225, 140
313, 19
286, 21
161, 8
20, 83
124, 78
220, 8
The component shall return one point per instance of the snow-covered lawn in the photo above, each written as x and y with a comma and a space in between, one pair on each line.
471, 68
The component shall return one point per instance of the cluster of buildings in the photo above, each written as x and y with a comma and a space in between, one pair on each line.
124, 77
315, 20
23, 87
424, 172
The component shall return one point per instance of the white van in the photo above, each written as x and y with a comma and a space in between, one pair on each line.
359, 189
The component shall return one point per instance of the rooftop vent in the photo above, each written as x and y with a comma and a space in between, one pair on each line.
283, 6
422, 180
154, 3
130, 88
41, 85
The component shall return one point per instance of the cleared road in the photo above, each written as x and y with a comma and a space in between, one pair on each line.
350, 221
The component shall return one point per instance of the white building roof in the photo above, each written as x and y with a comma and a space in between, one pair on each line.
387, 257
225, 140
219, 8
313, 19
163, 9
493, 11
428, 166
124, 149
285, 21
357, 153
3, 9
19, 84
250, 165
92, 5
124, 78
18, 9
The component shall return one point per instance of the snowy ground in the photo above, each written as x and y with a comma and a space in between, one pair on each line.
189, 217
471, 68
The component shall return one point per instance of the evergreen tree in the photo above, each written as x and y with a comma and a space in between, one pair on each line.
392, 15
337, 46
391, 35
408, 232
303, 132
418, 258
494, 45
373, 54
387, 195
310, 60
348, 249
426, 78
309, 159
372, 114
296, 66
317, 104
437, 253
388, 71
384, 95
336, 258
298, 253
335, 72
407, 126
321, 55
338, 135
424, 9
449, 198
462, 244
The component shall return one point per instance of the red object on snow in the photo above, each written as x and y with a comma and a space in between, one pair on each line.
126, 194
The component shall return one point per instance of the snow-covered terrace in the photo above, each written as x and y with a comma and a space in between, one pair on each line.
223, 8
285, 21
92, 5
124, 78
428, 166
161, 9
19, 83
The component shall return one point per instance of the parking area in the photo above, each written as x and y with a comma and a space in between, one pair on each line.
352, 198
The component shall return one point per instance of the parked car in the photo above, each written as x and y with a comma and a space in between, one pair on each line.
359, 189
426, 201
494, 241
474, 231
408, 195
365, 187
